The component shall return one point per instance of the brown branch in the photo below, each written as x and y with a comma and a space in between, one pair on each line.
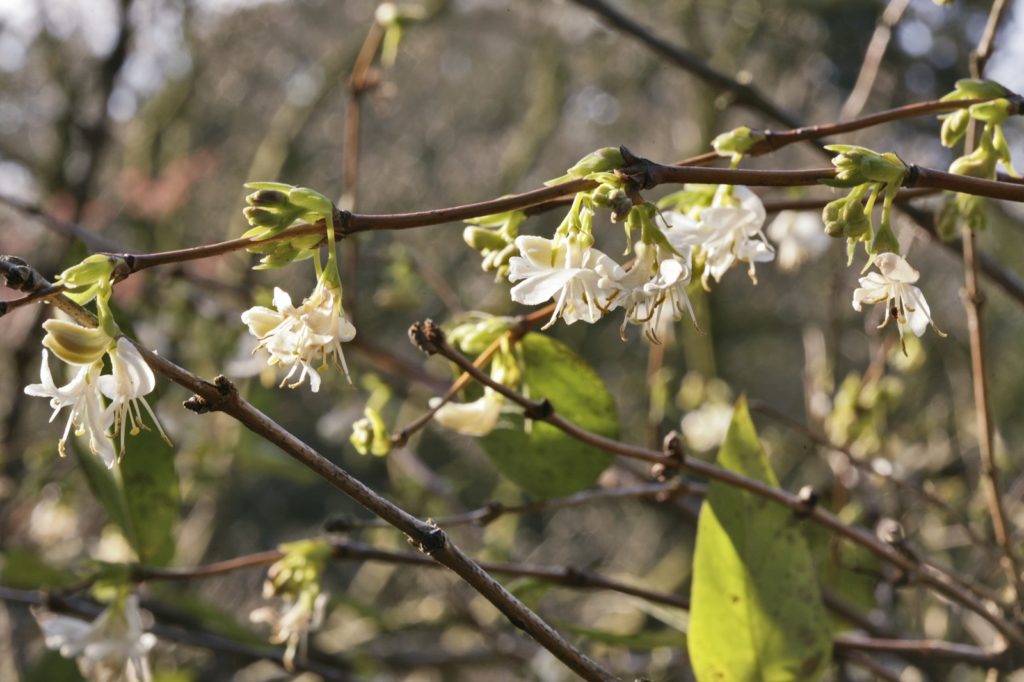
926, 649
430, 339
222, 396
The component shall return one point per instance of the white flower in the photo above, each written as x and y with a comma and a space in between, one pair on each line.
113, 647
293, 623
799, 235
476, 418
560, 268
296, 337
656, 280
893, 284
82, 395
731, 234
132, 380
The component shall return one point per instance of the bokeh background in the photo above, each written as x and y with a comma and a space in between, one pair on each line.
138, 122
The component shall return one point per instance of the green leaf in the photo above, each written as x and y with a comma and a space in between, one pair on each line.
538, 457
756, 612
150, 489
105, 487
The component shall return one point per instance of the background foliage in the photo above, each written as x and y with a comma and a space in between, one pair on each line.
486, 98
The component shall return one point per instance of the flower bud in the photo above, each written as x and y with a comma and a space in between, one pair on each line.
857, 222
981, 163
832, 216
75, 344
994, 111
947, 223
268, 197
737, 141
311, 200
973, 88
954, 126
602, 160
858, 165
482, 239
370, 435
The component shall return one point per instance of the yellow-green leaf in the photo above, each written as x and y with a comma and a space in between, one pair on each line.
756, 611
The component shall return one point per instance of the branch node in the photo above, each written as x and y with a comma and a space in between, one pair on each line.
539, 411
430, 542
427, 336
224, 386
197, 404
574, 576
339, 524
913, 173
492, 511
343, 221
672, 448
808, 499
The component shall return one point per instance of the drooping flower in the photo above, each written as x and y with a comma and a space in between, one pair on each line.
129, 384
292, 623
112, 647
732, 234
799, 237
657, 280
82, 395
298, 337
563, 268
893, 285
476, 418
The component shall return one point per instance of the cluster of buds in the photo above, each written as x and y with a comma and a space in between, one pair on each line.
273, 208
991, 149
869, 174
494, 236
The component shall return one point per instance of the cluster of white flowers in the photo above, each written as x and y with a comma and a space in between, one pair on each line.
586, 283
112, 647
297, 337
124, 390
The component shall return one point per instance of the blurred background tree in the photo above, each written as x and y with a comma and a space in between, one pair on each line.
133, 124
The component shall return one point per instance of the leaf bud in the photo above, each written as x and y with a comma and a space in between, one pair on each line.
994, 111
602, 160
370, 436
954, 126
737, 141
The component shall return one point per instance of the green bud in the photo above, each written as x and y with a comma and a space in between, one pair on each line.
981, 163
857, 221
954, 125
832, 216
262, 217
473, 338
737, 141
95, 268
268, 197
994, 111
75, 344
602, 160
482, 239
858, 165
370, 436
311, 201
973, 88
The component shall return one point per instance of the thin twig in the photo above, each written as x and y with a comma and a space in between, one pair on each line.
973, 302
877, 46
429, 338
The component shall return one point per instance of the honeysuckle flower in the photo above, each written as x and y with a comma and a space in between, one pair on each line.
112, 647
297, 337
476, 418
731, 234
656, 281
893, 285
799, 237
82, 395
127, 387
292, 623
563, 268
